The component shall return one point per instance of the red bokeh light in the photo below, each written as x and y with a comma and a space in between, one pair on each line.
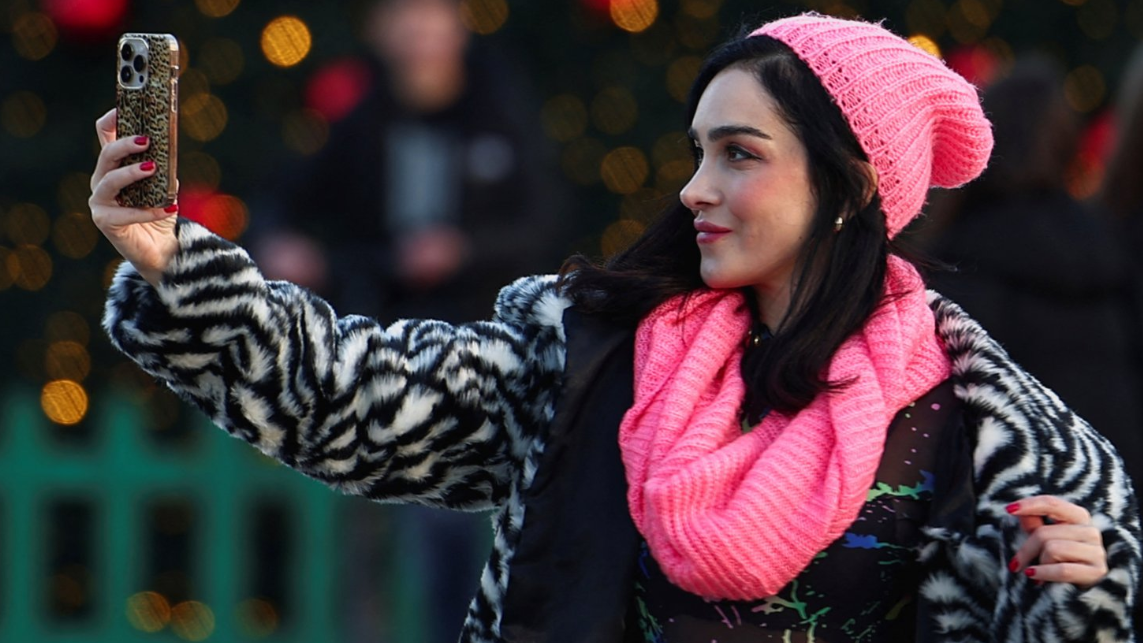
222, 214
338, 87
86, 19
978, 65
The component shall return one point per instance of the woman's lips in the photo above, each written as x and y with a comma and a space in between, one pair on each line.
708, 232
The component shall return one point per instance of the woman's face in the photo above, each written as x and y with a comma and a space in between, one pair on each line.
751, 193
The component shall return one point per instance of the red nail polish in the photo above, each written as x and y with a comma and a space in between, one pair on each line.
174, 207
1013, 565
1030, 572
1013, 508
147, 166
140, 140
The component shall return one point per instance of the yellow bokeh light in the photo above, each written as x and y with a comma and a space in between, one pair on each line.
23, 114
644, 205
614, 110
109, 272
67, 360
204, 116
671, 177
619, 235
926, 17
564, 117
680, 74
926, 44
258, 618
216, 8
74, 235
34, 267
201, 169
968, 21
286, 41
64, 402
67, 326
34, 35
670, 147
581, 159
624, 170
484, 16
221, 60
634, 15
148, 611
192, 621
8, 269
977, 12
1085, 88
305, 131
1097, 19
192, 82
27, 223
73, 191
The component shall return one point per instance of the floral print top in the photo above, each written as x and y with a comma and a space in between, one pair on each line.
861, 588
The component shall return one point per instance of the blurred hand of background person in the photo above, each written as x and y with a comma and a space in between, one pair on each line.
293, 257
429, 257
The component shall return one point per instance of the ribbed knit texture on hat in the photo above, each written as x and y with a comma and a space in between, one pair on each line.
738, 516
920, 123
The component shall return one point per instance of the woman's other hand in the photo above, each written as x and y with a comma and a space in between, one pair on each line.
1063, 545
145, 237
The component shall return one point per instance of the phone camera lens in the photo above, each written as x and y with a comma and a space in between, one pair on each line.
140, 63
127, 51
125, 74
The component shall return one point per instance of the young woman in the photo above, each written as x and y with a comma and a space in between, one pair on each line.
755, 424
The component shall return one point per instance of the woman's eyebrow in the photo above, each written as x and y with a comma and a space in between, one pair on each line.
723, 131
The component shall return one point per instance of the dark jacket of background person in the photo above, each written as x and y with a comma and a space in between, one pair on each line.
496, 188
1041, 272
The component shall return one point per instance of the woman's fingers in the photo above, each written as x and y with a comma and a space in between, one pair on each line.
105, 127
1062, 546
105, 190
1052, 507
112, 155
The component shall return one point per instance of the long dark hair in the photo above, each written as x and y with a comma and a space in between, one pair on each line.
840, 274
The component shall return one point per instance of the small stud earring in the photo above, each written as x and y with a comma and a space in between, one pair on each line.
838, 224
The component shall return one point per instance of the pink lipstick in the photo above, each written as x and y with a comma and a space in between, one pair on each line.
708, 232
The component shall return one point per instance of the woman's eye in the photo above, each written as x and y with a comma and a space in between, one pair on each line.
735, 153
696, 152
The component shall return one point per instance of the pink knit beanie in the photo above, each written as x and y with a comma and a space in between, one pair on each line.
919, 122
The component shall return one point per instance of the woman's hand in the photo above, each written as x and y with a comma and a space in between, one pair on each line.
145, 237
1067, 548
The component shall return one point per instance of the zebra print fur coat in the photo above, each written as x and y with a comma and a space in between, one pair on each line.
454, 416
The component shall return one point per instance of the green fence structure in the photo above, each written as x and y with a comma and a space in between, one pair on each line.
118, 538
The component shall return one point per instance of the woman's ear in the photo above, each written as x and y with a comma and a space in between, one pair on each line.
872, 180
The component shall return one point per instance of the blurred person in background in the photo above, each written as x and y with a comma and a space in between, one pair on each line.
430, 196
1042, 272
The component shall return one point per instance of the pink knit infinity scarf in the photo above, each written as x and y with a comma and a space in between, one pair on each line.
738, 516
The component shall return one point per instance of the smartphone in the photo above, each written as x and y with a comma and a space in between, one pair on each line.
147, 99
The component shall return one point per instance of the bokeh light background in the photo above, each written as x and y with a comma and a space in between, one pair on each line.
262, 83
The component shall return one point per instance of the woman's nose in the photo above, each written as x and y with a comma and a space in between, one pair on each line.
698, 193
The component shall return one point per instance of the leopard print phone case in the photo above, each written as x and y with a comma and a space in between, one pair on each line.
147, 98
